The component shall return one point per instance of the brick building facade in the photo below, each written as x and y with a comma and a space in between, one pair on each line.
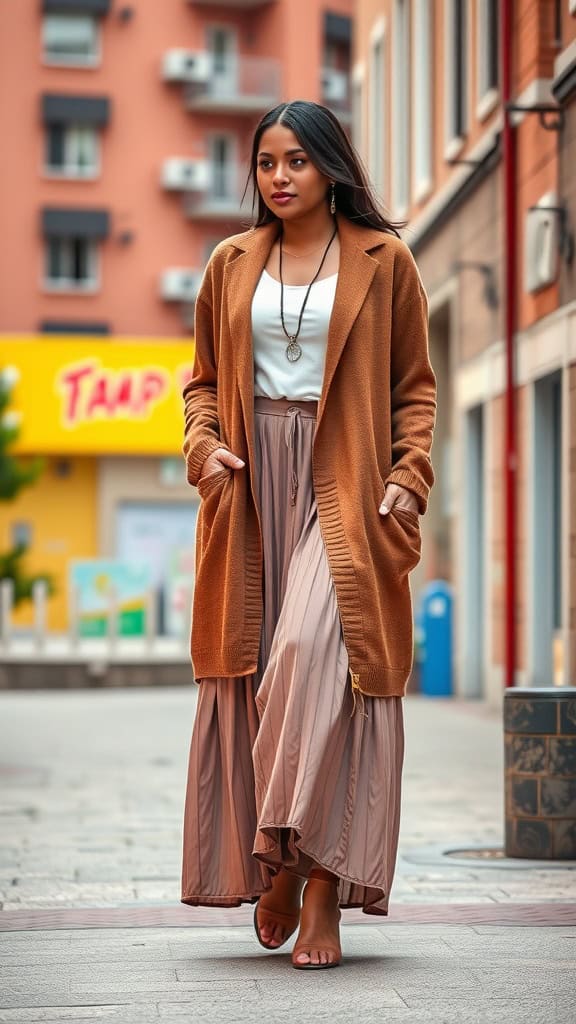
428, 118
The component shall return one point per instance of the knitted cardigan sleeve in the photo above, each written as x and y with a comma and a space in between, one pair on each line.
413, 382
201, 426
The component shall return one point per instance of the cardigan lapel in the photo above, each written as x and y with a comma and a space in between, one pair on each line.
241, 276
355, 274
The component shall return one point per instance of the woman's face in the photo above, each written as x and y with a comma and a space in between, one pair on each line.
288, 181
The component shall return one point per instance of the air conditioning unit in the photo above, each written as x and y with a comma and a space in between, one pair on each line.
187, 66
542, 241
186, 175
180, 284
334, 85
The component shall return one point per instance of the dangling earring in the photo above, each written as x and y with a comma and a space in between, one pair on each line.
333, 199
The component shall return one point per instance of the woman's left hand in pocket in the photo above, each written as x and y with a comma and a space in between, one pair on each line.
397, 495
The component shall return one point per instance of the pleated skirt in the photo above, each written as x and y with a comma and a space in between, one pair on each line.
284, 769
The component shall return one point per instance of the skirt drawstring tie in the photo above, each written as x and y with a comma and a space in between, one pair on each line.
290, 436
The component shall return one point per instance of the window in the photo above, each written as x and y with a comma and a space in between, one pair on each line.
358, 112
72, 150
71, 264
222, 167
70, 39
377, 110
422, 99
456, 81
488, 56
400, 108
222, 46
21, 533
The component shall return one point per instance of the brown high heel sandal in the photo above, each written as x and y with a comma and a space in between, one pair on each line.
289, 921
305, 945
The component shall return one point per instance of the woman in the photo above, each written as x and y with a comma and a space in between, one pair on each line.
309, 422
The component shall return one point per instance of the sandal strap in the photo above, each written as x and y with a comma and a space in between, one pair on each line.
305, 947
280, 915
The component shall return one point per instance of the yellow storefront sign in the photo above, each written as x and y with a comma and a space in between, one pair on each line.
80, 395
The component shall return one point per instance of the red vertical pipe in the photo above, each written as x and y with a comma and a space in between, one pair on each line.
510, 453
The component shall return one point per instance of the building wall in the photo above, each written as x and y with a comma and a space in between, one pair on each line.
572, 516
61, 509
149, 123
75, 516
458, 221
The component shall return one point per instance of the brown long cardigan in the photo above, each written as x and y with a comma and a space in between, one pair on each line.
374, 424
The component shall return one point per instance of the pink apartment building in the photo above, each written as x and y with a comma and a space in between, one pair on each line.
128, 128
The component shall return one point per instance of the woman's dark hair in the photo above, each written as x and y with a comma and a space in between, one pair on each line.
320, 133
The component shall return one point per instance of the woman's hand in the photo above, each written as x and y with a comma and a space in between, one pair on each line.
397, 495
220, 459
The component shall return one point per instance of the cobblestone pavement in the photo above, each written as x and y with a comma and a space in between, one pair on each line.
90, 817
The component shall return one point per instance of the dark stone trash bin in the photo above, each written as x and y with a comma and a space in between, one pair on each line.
540, 751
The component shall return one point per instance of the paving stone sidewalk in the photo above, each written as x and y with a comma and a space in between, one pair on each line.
90, 817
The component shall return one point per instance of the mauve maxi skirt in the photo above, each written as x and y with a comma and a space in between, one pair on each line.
283, 771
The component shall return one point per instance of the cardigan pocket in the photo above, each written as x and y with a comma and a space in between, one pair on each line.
212, 522
207, 483
407, 531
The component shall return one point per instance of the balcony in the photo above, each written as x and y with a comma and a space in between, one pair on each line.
241, 85
336, 93
222, 200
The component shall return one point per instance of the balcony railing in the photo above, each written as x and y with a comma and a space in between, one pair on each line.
241, 84
37, 645
223, 199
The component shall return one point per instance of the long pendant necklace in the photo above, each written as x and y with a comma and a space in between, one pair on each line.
293, 349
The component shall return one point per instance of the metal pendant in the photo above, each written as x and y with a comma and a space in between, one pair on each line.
293, 351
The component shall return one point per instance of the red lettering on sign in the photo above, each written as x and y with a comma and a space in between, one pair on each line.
152, 387
71, 380
124, 390
99, 401
91, 392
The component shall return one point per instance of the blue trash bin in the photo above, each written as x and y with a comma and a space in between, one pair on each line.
436, 603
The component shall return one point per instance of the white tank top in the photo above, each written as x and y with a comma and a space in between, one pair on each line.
274, 375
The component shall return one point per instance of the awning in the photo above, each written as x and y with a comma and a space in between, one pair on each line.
74, 327
70, 222
337, 27
59, 108
77, 6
